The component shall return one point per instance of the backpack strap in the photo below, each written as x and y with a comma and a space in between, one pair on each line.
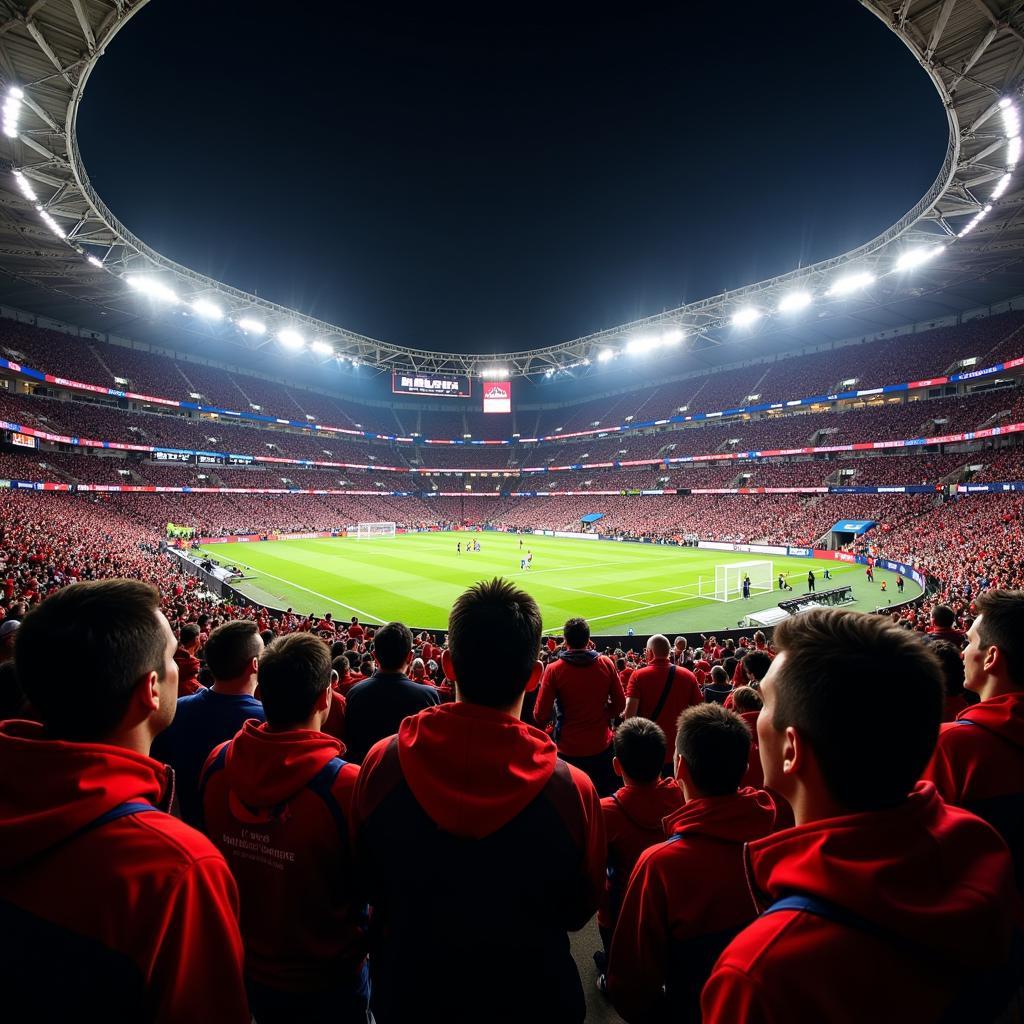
216, 765
322, 784
659, 707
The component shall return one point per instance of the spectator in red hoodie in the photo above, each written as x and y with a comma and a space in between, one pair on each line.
188, 663
979, 760
113, 910
689, 896
509, 840
883, 903
943, 627
586, 686
633, 815
662, 692
276, 801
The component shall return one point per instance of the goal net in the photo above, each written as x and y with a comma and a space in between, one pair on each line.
728, 585
366, 531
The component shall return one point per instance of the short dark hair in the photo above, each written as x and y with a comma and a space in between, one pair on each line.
392, 645
1002, 626
640, 748
268, 637
494, 639
942, 616
576, 633
715, 744
340, 665
952, 666
719, 676
81, 652
231, 648
189, 634
757, 664
294, 670
746, 698
825, 691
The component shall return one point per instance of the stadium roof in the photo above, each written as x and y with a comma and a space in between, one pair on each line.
64, 255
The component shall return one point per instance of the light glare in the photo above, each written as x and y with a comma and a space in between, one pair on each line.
208, 309
322, 348
291, 339
153, 288
793, 301
745, 317
252, 326
851, 283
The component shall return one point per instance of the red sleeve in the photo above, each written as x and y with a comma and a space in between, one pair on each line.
587, 896
545, 698
633, 687
729, 996
618, 698
638, 965
196, 973
942, 772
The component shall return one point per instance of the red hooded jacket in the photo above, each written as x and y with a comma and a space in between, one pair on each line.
286, 840
923, 899
589, 695
632, 821
509, 855
132, 919
979, 765
686, 899
647, 685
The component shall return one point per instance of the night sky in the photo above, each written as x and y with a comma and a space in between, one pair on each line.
505, 176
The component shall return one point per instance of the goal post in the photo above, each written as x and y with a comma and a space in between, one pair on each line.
728, 585
368, 531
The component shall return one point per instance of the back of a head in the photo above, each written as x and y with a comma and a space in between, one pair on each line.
640, 748
659, 646
577, 634
837, 665
715, 744
81, 652
267, 636
494, 641
293, 672
942, 616
418, 669
1002, 626
231, 648
189, 634
746, 698
719, 677
952, 666
392, 645
340, 665
756, 664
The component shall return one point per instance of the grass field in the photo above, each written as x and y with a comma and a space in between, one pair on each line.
417, 577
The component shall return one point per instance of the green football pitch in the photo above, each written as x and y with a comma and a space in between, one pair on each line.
616, 586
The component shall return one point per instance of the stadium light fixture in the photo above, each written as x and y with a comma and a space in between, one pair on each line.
1002, 185
25, 188
915, 257
152, 287
251, 326
605, 354
795, 301
851, 283
322, 348
50, 222
1013, 151
673, 336
208, 310
642, 345
12, 111
494, 372
291, 339
747, 316
95, 261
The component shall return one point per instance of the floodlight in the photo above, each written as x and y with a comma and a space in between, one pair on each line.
915, 257
291, 339
152, 287
795, 300
26, 189
207, 309
94, 260
322, 348
745, 317
51, 223
1013, 150
673, 336
851, 283
495, 372
1002, 185
605, 354
642, 345
251, 326
1005, 102
15, 93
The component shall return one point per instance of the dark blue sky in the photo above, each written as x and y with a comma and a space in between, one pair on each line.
503, 176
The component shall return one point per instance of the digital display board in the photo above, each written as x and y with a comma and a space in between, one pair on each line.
23, 440
497, 396
442, 385
172, 457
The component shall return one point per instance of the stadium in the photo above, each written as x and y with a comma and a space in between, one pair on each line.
846, 434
